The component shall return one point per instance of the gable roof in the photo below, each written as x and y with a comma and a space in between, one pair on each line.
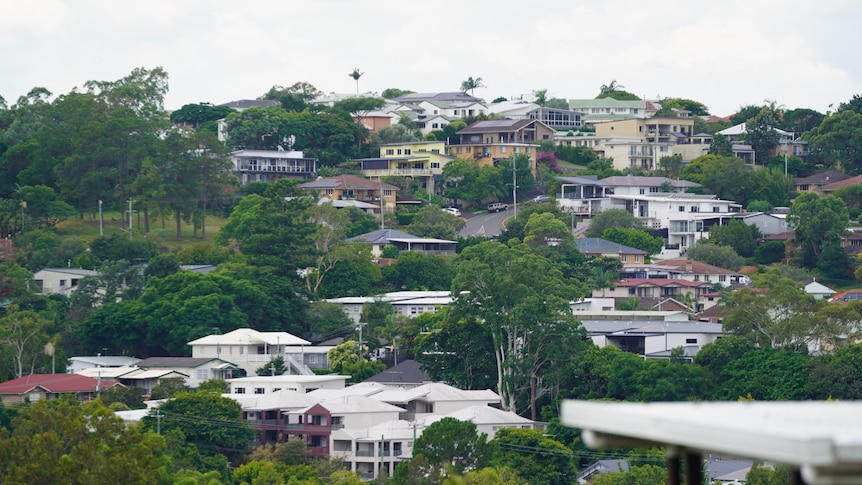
597, 245
347, 182
827, 177
384, 236
482, 414
627, 282
250, 336
436, 392
408, 371
498, 126
816, 288
249, 103
441, 96
54, 383
857, 180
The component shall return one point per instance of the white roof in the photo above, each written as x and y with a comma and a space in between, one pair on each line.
822, 438
489, 415
361, 389
436, 392
106, 372
283, 399
141, 374
815, 287
396, 297
71, 271
288, 379
353, 404
248, 336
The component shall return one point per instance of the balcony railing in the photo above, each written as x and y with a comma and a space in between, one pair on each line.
280, 169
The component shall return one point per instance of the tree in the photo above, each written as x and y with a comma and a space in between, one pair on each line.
432, 222
61, 441
457, 352
817, 222
392, 93
162, 265
23, 335
721, 256
782, 317
275, 367
735, 234
471, 84
837, 141
452, 442
720, 146
414, 271
670, 166
606, 89
211, 422
607, 219
830, 376
398, 133
168, 388
541, 97
548, 461
634, 238
356, 74
345, 352
198, 114
523, 298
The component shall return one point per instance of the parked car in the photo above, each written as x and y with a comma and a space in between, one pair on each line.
541, 199
453, 210
497, 207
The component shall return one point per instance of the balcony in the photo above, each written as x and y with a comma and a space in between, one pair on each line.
411, 171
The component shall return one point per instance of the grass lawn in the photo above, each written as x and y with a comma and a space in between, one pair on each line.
88, 229
570, 167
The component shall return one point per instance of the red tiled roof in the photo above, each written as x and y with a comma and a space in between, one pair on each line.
52, 383
857, 180
661, 282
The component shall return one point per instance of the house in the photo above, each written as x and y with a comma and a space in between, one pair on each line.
403, 242
600, 467
434, 398
787, 142
651, 337
50, 386
293, 382
377, 449
62, 281
821, 449
813, 183
133, 377
197, 369
417, 98
651, 291
250, 349
601, 110
765, 222
595, 246
819, 291
490, 141
271, 165
420, 160
351, 187
659, 130
518, 109
489, 419
407, 303
696, 271
79, 363
592, 305
830, 188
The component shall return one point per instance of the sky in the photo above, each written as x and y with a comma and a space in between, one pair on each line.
724, 54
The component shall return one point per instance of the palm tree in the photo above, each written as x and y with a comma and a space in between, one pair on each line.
356, 75
472, 84
607, 89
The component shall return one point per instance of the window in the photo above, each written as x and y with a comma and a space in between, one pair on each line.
694, 208
202, 374
435, 150
239, 390
691, 340
458, 150
716, 209
435, 164
202, 350
275, 389
641, 191
399, 151
390, 151
434, 125
241, 350
62, 283
407, 151
803, 188
312, 359
387, 193
259, 390
722, 278
529, 150
329, 191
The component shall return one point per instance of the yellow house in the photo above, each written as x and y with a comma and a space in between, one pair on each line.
490, 141
351, 187
657, 129
422, 160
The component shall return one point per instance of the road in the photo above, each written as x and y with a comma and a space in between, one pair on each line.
487, 224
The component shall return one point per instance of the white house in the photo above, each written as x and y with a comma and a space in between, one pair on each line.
60, 280
271, 165
197, 370
407, 303
250, 349
646, 337
290, 382
79, 363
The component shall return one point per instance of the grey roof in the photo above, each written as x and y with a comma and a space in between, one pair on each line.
384, 236
444, 96
642, 327
583, 180
408, 372
828, 176
71, 271
249, 103
592, 245
637, 180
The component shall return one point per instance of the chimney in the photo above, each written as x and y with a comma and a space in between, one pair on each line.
688, 266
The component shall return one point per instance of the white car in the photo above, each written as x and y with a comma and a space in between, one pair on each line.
453, 210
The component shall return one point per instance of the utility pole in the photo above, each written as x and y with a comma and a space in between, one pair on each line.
23, 206
130, 218
158, 417
514, 186
101, 223
361, 324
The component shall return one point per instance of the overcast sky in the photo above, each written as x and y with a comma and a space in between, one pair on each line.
725, 53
